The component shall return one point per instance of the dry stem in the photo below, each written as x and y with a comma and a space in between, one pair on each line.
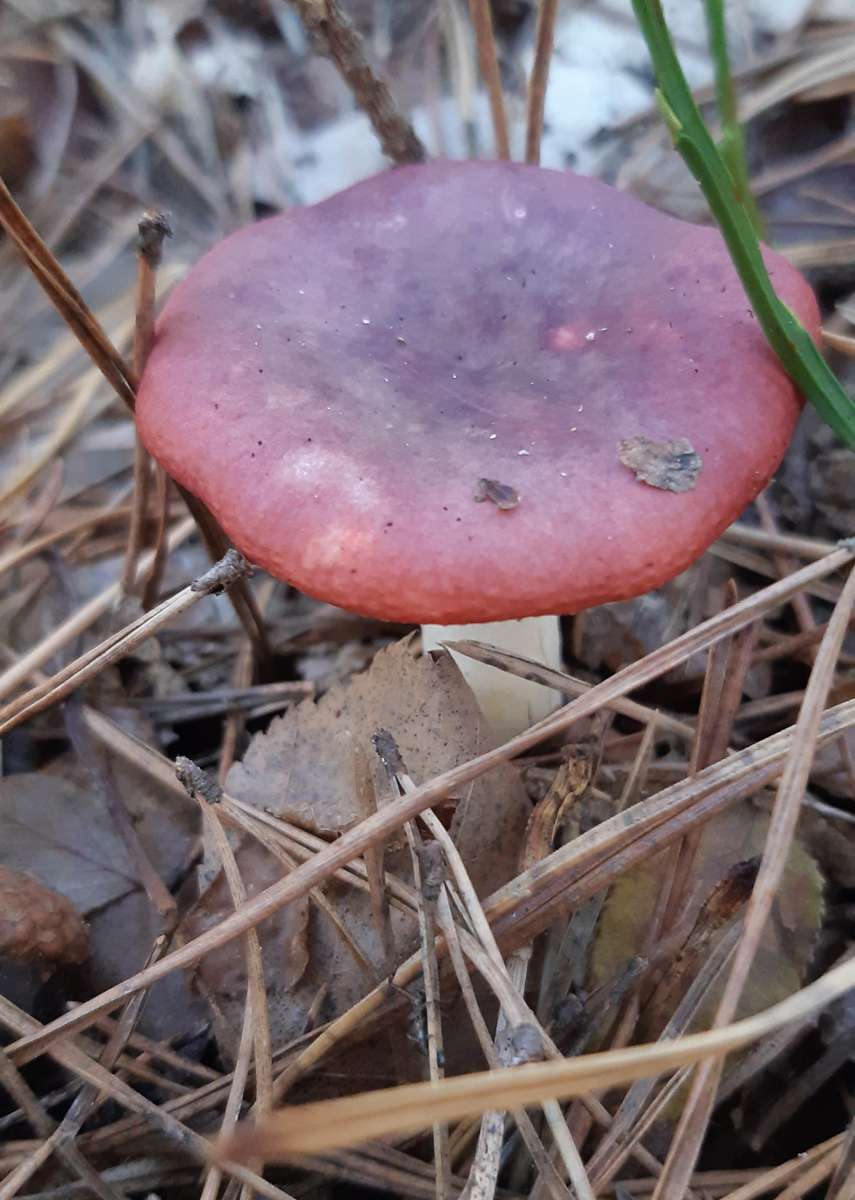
326, 20
544, 38
488, 58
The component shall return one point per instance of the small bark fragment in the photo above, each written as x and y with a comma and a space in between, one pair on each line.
672, 466
501, 494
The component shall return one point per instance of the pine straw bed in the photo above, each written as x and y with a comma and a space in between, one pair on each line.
113, 646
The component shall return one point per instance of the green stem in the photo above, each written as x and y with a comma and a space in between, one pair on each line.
732, 142
789, 339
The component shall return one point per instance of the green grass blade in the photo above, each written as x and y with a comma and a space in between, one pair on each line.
732, 143
794, 346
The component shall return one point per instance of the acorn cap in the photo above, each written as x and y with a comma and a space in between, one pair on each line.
474, 391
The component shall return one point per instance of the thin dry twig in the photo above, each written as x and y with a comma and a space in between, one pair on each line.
548, 1173
154, 580
488, 58
326, 20
207, 793
727, 666
367, 802
152, 229
535, 672
544, 37
428, 873
242, 678
83, 323
815, 1174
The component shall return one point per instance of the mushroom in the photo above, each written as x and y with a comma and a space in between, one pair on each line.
471, 392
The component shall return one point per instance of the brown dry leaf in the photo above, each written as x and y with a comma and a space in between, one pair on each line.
570, 783
672, 466
302, 769
788, 941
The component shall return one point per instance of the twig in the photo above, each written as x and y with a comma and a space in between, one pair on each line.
333, 29
164, 1053
154, 580
428, 873
804, 1087
366, 801
812, 1177
615, 1145
241, 679
87, 1101
800, 604
429, 877
256, 1022
519, 1017
482, 21
693, 1120
153, 228
549, 1174
543, 42
83, 323
241, 597
727, 666
92, 755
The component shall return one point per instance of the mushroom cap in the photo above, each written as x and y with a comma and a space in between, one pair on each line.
433, 396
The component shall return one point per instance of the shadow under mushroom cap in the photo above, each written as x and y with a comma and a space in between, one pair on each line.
350, 386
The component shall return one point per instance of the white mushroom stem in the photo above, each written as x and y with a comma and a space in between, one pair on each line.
509, 703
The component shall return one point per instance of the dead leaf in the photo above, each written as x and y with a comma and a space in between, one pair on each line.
121, 937
301, 769
61, 835
672, 466
570, 783
788, 940
123, 929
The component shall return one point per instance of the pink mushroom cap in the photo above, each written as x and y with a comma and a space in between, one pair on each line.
335, 383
